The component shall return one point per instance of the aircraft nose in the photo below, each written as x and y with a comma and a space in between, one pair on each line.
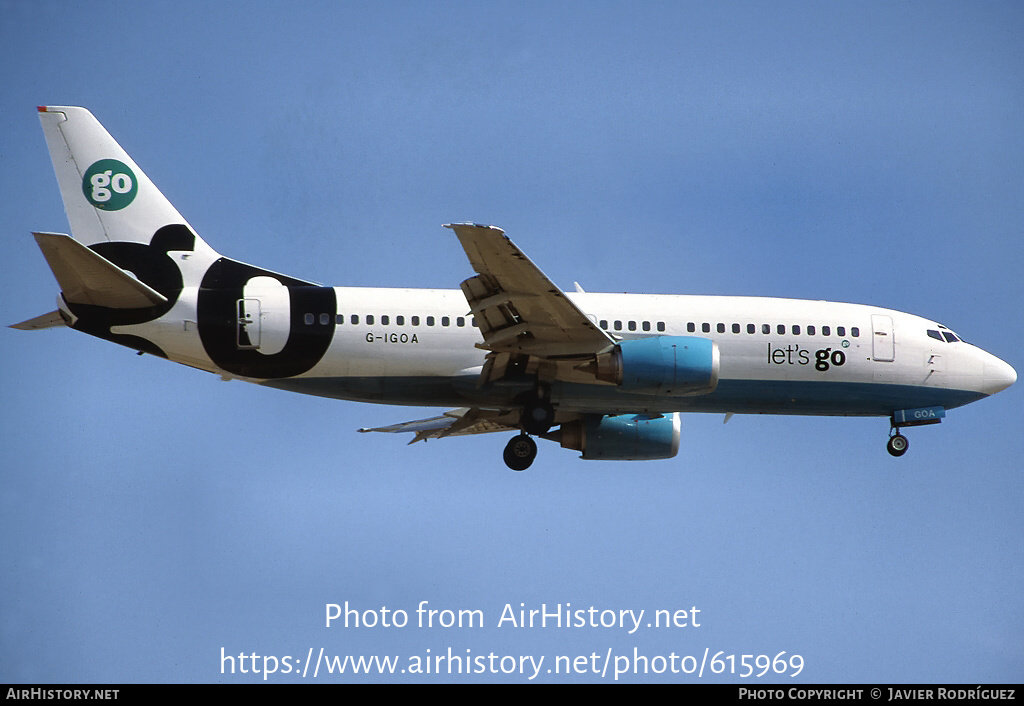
999, 375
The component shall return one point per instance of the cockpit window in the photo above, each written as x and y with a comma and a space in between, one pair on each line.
936, 335
946, 336
950, 336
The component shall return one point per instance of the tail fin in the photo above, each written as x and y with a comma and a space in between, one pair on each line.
107, 197
130, 255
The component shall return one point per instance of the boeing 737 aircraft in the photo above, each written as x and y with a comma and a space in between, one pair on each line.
604, 374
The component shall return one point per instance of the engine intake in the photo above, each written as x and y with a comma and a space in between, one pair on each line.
663, 365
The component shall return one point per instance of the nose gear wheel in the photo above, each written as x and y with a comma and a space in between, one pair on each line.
898, 444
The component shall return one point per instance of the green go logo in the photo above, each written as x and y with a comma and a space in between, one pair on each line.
109, 185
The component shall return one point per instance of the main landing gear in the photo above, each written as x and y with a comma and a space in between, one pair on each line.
538, 413
898, 443
520, 452
537, 417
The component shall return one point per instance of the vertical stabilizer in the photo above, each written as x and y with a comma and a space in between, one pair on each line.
107, 197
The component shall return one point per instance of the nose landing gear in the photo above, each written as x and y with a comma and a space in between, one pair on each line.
918, 417
898, 444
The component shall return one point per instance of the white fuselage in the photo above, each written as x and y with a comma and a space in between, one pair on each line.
418, 347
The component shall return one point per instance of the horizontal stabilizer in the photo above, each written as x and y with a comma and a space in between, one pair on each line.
455, 422
86, 277
45, 321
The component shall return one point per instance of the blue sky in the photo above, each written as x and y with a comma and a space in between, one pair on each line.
151, 514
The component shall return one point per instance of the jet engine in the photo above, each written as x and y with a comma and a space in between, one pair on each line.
625, 437
662, 365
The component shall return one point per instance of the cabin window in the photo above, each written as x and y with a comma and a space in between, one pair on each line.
810, 330
691, 327
308, 319
751, 328
339, 319
604, 324
796, 330
735, 328
430, 321
661, 325
369, 319
632, 326
766, 328
826, 330
855, 332
385, 319
720, 328
355, 319
460, 321
400, 320
705, 327
415, 320
618, 325
841, 331
445, 321
647, 326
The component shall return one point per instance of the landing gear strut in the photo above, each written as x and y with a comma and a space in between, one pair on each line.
520, 452
538, 416
898, 443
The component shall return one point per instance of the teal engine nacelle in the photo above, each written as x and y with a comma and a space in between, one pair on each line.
661, 365
625, 437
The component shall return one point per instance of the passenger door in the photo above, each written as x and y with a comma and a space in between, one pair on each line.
883, 343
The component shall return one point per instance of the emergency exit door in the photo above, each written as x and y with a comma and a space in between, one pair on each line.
248, 324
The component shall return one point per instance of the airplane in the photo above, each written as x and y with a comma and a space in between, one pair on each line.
603, 374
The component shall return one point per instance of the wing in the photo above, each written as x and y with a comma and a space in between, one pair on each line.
525, 320
456, 422
518, 309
